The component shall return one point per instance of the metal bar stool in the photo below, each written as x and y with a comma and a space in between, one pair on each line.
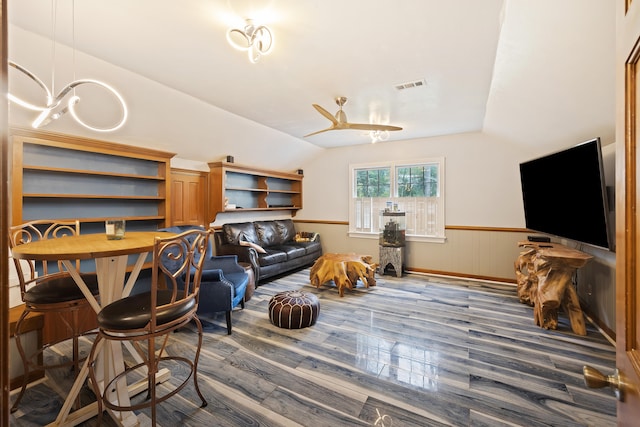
48, 288
147, 320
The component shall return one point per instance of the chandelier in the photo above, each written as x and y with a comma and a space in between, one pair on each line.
54, 107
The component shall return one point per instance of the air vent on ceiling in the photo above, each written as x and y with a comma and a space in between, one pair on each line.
410, 85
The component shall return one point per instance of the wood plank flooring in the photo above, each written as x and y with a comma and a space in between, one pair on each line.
412, 351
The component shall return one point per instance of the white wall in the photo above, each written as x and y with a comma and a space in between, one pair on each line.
482, 182
482, 190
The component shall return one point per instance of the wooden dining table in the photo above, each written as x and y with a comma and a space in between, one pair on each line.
111, 263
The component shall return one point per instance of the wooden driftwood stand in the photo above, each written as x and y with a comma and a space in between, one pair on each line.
344, 270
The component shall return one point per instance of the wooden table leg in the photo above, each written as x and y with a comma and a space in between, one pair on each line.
571, 305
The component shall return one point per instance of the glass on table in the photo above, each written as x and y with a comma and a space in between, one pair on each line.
114, 229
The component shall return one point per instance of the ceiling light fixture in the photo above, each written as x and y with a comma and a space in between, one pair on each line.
256, 40
378, 135
47, 113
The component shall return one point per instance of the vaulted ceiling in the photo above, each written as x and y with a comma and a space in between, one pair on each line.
539, 73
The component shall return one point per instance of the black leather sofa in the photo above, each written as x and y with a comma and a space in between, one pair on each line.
271, 247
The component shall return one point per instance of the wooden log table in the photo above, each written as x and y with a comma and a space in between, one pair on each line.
544, 272
344, 270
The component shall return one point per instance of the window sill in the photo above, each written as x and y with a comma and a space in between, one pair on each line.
409, 238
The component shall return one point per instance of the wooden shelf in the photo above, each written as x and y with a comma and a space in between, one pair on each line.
252, 189
89, 196
89, 172
278, 208
66, 177
126, 218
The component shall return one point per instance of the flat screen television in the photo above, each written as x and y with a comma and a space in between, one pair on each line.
564, 195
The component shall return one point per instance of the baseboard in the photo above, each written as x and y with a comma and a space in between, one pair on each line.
461, 275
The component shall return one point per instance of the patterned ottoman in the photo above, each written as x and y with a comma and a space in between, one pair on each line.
294, 309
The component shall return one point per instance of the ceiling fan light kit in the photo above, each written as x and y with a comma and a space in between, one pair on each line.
378, 135
339, 122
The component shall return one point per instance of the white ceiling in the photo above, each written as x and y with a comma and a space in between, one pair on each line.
544, 66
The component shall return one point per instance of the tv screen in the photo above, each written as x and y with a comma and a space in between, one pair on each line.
564, 194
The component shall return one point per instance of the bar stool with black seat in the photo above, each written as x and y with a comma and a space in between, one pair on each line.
147, 320
46, 288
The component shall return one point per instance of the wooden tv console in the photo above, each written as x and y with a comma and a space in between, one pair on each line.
543, 273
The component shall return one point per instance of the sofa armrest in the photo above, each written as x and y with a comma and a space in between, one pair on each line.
212, 275
227, 263
244, 253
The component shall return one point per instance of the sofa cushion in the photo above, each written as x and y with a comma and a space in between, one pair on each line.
268, 233
287, 230
309, 247
272, 257
235, 232
291, 251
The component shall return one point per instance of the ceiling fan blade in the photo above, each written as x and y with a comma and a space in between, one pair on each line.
339, 121
325, 113
365, 126
320, 131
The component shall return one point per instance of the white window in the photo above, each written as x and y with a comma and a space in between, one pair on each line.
416, 188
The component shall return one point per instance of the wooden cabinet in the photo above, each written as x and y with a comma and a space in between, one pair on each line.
67, 177
234, 187
188, 197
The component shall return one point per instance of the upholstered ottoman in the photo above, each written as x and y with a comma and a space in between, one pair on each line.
294, 309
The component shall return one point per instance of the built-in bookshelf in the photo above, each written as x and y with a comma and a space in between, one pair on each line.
234, 188
66, 177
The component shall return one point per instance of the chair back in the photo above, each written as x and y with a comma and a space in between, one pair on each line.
175, 281
31, 271
182, 228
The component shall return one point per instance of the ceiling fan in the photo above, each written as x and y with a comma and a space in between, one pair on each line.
339, 122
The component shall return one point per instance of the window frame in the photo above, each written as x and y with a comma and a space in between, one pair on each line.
439, 235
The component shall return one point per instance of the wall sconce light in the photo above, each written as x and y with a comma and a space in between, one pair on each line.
256, 40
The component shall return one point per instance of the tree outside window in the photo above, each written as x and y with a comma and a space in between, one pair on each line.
417, 180
373, 182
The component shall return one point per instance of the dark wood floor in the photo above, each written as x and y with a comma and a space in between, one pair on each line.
412, 351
